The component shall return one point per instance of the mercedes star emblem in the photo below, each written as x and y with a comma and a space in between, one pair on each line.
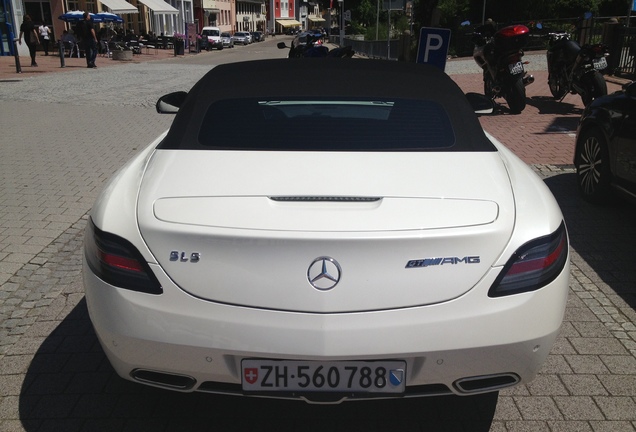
324, 273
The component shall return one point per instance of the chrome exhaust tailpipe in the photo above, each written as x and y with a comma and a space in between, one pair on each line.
163, 379
486, 383
527, 80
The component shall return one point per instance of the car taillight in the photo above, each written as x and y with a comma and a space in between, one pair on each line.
533, 265
116, 261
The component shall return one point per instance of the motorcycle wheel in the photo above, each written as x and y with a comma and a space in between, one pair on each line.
592, 167
557, 84
595, 87
516, 96
488, 91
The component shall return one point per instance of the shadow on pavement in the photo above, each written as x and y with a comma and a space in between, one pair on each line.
604, 236
565, 115
70, 386
548, 105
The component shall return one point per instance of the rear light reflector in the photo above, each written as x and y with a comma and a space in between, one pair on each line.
534, 265
116, 261
514, 30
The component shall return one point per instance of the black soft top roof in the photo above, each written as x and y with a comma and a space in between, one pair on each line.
325, 78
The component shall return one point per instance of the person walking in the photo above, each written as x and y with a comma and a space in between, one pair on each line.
89, 39
45, 35
27, 29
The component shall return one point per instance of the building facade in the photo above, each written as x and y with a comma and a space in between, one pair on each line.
160, 17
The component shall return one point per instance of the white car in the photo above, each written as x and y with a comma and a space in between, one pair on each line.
366, 239
242, 38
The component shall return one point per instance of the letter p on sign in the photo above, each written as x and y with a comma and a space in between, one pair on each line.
433, 46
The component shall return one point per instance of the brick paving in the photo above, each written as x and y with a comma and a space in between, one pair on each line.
52, 63
58, 149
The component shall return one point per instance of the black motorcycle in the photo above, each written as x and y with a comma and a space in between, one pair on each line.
575, 69
308, 45
500, 54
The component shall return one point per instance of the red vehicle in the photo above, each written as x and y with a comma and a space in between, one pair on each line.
500, 54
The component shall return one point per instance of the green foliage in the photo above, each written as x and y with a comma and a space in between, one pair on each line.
371, 33
453, 12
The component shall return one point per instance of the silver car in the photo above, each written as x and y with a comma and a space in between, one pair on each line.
227, 40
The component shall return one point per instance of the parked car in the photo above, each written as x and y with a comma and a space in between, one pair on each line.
257, 36
214, 37
227, 39
605, 152
246, 254
242, 38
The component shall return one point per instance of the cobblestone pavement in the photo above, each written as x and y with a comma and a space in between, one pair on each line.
64, 134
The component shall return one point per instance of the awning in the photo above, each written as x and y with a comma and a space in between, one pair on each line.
160, 7
119, 6
316, 19
288, 22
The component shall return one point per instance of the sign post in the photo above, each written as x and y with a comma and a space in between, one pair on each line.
433, 46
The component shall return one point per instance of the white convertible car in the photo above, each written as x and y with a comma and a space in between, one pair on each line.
359, 236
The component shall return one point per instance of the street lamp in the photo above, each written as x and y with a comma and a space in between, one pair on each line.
341, 2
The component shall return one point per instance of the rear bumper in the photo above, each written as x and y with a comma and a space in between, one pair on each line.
443, 345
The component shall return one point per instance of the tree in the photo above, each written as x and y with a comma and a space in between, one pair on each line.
423, 12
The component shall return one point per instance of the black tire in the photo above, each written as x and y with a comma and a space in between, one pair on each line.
595, 87
488, 91
557, 83
593, 173
516, 96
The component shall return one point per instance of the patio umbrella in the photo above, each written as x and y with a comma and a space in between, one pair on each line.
73, 16
107, 17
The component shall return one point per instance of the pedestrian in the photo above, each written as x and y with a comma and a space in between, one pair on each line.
45, 35
89, 40
27, 29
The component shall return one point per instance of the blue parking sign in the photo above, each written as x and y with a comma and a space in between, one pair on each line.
433, 46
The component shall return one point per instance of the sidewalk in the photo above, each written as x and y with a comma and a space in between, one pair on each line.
52, 63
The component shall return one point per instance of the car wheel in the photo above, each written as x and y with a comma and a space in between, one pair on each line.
593, 167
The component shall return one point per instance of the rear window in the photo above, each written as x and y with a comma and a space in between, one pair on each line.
326, 125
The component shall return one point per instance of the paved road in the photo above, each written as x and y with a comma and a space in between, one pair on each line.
63, 137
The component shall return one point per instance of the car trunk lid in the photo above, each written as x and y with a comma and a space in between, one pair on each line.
326, 232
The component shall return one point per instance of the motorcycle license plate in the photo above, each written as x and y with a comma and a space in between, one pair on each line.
600, 63
261, 375
516, 69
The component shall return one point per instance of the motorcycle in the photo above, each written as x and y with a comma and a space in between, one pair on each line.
313, 47
575, 69
500, 54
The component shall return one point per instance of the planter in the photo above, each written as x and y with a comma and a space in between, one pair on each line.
122, 55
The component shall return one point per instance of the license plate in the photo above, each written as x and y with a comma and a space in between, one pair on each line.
309, 376
600, 63
516, 68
